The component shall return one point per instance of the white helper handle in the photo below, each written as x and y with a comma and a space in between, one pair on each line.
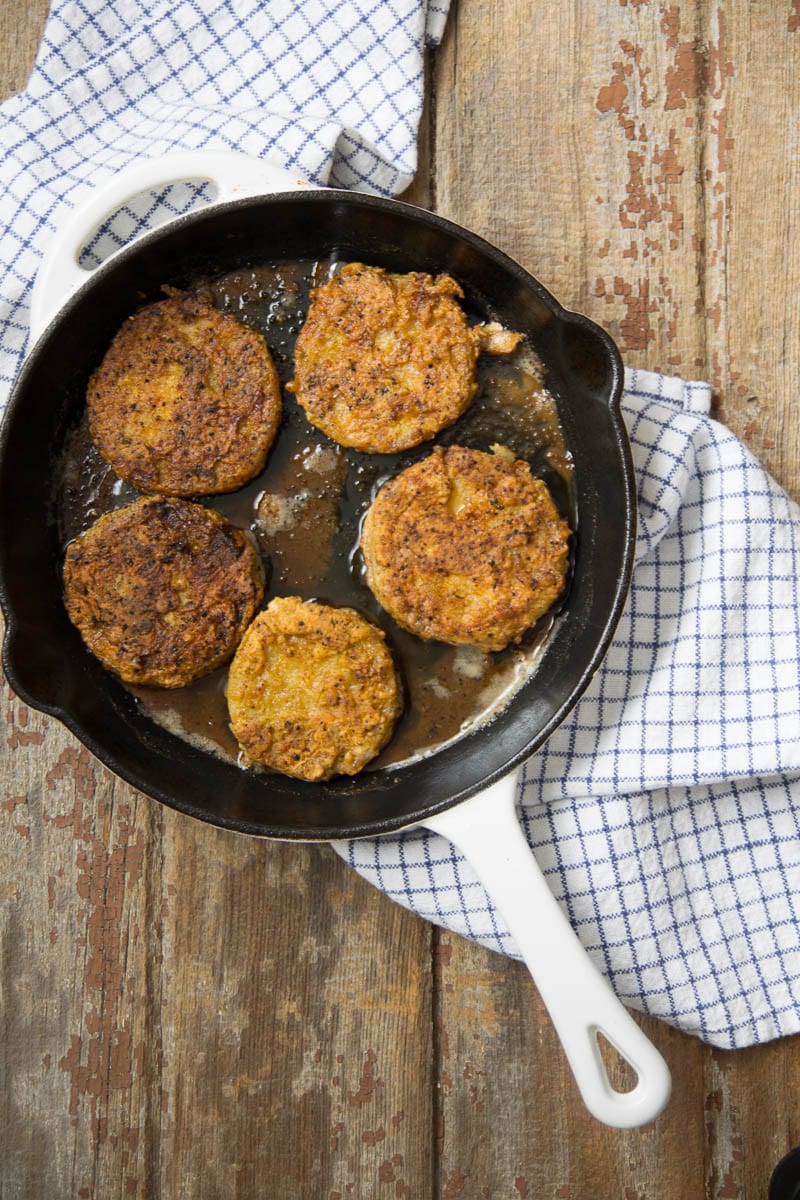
234, 175
578, 998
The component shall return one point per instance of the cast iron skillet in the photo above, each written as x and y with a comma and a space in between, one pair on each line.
50, 669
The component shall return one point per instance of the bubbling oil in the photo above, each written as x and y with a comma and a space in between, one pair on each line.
304, 513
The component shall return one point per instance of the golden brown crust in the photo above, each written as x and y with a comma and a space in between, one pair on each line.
384, 362
186, 401
312, 690
466, 547
161, 591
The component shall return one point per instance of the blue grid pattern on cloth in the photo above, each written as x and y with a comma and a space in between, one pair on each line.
329, 91
665, 810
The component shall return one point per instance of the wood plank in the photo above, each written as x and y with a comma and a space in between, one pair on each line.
630, 157
754, 250
752, 1104
296, 1003
21, 28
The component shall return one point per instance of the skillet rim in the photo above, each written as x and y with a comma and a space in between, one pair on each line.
563, 316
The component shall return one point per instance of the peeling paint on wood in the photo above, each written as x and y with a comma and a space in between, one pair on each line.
22, 731
367, 1084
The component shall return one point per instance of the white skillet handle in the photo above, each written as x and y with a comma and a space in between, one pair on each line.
579, 999
233, 175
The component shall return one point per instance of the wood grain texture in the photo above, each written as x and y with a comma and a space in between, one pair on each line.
188, 1013
641, 160
21, 28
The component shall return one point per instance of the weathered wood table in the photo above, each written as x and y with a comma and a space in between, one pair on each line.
186, 1013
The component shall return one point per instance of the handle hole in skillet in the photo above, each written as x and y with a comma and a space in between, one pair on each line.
621, 1074
142, 212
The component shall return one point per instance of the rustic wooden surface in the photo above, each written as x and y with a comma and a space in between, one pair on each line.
186, 1013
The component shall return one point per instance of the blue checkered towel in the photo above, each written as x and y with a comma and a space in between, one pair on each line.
665, 810
328, 91
662, 809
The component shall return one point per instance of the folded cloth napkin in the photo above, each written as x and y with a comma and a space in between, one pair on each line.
662, 810
665, 810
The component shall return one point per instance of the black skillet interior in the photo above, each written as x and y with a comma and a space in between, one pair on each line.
43, 656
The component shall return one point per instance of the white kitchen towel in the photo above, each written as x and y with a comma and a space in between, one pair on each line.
665, 810
670, 832
329, 91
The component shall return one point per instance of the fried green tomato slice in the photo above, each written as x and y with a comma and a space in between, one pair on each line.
385, 361
186, 401
466, 547
161, 591
312, 690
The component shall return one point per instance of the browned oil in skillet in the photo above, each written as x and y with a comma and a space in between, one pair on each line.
305, 512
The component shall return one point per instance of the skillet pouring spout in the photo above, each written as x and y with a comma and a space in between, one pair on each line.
264, 217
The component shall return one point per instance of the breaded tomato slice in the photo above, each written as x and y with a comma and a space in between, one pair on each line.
312, 691
161, 591
384, 361
466, 547
186, 401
